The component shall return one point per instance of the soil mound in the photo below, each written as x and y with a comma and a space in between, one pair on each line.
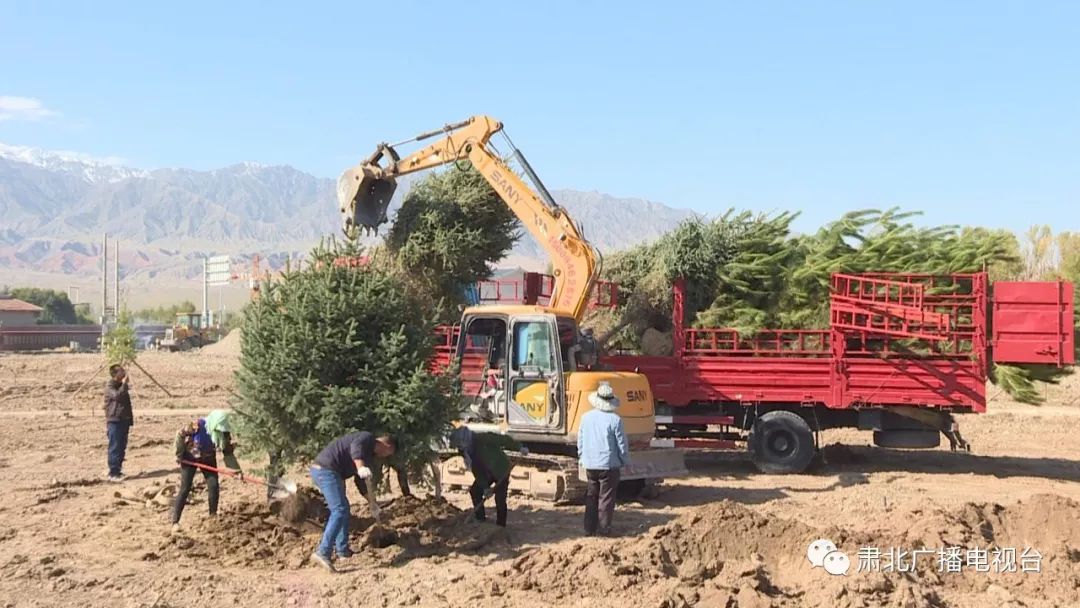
724, 554
722, 544
256, 535
229, 345
245, 534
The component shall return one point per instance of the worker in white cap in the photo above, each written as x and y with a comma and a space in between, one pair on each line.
602, 449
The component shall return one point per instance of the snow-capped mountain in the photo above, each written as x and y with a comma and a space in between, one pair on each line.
93, 170
56, 205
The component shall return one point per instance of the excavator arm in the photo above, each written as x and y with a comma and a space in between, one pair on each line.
364, 193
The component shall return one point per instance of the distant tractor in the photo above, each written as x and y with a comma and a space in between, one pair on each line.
188, 332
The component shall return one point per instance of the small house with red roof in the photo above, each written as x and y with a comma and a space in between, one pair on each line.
16, 313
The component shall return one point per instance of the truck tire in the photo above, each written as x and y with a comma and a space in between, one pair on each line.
631, 489
912, 439
781, 443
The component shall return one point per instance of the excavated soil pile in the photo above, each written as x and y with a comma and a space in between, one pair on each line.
727, 555
250, 535
413, 527
1046, 523
229, 345
714, 555
244, 534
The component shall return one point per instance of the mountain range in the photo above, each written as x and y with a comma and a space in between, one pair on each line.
56, 206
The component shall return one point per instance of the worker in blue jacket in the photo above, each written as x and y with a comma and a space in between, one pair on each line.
602, 449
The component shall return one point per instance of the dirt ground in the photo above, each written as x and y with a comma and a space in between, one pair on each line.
725, 536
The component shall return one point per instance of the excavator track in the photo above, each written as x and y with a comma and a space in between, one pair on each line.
547, 477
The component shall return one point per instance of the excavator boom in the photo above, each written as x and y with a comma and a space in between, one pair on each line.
365, 191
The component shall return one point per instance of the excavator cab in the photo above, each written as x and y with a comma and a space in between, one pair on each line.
512, 370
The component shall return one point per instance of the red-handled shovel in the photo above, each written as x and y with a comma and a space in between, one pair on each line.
282, 489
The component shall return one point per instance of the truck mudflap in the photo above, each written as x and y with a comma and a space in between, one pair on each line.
654, 463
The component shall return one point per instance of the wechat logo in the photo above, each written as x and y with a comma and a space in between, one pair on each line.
822, 553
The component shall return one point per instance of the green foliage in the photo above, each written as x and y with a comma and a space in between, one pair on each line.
449, 231
1020, 380
329, 349
58, 309
748, 272
120, 341
165, 315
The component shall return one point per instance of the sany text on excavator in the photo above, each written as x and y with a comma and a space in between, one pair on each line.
527, 368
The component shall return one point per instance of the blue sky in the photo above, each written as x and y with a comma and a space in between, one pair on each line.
969, 111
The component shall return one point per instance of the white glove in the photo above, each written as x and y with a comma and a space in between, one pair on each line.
363, 473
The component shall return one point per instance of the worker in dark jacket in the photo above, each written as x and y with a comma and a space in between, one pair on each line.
351, 455
118, 419
195, 445
484, 456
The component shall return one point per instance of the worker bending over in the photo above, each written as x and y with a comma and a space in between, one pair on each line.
196, 444
351, 455
484, 457
603, 450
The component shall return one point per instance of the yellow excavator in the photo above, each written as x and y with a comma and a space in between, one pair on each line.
527, 368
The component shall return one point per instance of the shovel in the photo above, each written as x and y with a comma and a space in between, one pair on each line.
283, 489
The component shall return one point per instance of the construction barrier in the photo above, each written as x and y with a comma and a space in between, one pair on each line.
45, 337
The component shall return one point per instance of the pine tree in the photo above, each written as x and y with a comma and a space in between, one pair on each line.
331, 348
748, 272
450, 230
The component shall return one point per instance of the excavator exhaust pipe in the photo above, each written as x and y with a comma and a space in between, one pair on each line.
363, 198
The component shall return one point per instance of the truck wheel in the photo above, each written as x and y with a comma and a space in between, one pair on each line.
631, 489
781, 442
912, 439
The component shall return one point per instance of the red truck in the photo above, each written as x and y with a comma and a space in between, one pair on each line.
903, 354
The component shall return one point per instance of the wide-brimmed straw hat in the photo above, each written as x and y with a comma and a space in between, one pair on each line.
604, 398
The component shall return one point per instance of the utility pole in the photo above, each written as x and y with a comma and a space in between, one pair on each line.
116, 279
105, 285
205, 296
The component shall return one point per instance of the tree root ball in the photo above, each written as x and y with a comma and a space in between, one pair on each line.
305, 505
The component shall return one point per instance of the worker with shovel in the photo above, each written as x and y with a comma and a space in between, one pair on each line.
196, 448
351, 455
484, 457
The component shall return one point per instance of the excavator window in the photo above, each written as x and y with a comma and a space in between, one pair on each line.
535, 378
533, 347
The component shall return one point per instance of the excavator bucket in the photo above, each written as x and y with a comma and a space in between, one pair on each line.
363, 199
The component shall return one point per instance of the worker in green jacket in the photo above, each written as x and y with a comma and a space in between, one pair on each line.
484, 455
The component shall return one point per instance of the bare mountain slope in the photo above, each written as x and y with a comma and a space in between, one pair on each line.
56, 206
